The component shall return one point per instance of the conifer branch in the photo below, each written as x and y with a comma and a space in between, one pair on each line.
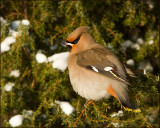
91, 101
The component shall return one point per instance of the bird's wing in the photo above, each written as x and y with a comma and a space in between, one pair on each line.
96, 60
129, 72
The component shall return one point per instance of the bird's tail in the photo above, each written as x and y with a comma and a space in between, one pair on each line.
128, 105
122, 95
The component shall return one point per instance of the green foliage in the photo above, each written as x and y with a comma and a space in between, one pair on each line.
39, 85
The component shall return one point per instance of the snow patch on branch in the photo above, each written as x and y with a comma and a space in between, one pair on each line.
120, 113
15, 73
59, 60
40, 57
8, 86
65, 106
16, 120
25, 22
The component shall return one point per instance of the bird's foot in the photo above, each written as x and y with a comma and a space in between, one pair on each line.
88, 102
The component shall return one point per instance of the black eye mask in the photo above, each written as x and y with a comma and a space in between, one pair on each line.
74, 42
69, 47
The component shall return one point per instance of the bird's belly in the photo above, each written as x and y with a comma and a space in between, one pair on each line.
88, 85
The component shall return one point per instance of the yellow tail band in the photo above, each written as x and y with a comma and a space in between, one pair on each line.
133, 110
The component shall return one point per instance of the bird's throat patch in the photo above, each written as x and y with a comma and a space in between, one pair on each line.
73, 46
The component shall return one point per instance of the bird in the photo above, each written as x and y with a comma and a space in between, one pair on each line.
95, 72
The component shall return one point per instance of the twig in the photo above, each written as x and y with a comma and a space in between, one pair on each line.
14, 13
32, 85
57, 34
25, 9
147, 121
26, 52
99, 112
82, 112
24, 73
62, 30
15, 7
112, 33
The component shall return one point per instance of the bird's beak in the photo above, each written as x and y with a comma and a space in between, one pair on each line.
69, 45
63, 44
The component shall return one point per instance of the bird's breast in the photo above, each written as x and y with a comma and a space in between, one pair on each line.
86, 83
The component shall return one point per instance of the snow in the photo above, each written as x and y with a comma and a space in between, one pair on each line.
8, 86
15, 24
4, 47
150, 4
25, 22
110, 47
130, 62
65, 106
16, 120
114, 115
150, 42
9, 40
59, 60
145, 65
136, 46
127, 43
144, 71
5, 44
3, 21
54, 47
115, 125
120, 113
27, 113
13, 33
40, 57
44, 116
15, 73
140, 41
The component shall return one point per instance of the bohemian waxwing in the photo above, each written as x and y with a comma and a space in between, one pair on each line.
95, 72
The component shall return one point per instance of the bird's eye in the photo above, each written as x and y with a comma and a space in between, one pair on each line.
70, 44
76, 41
69, 47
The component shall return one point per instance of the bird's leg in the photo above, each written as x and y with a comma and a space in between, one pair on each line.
85, 105
99, 111
88, 102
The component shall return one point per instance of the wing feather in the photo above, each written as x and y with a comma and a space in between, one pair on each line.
96, 60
